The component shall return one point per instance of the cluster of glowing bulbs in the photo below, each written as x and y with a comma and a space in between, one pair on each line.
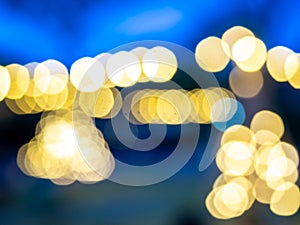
179, 106
255, 163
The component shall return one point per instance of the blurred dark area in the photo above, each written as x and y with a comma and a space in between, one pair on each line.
33, 31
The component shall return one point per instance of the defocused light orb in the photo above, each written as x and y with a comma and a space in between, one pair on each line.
118, 102
210, 55
123, 69
147, 107
103, 58
70, 101
51, 76
159, 64
210, 205
249, 53
19, 77
173, 107
245, 84
276, 63
232, 35
262, 192
4, 82
247, 186
291, 65
87, 74
267, 120
292, 70
201, 105
139, 52
266, 137
281, 170
289, 151
97, 104
52, 101
231, 200
285, 200
237, 133
235, 158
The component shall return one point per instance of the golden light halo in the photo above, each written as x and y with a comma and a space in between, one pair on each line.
159, 64
232, 35
51, 77
5, 82
249, 53
139, 52
123, 69
19, 77
87, 74
210, 55
276, 61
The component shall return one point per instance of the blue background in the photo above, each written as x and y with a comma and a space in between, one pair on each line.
33, 31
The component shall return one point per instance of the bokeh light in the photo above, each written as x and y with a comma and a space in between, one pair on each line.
210, 55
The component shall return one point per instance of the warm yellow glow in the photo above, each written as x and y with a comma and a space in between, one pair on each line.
249, 53
159, 64
281, 170
214, 105
51, 77
143, 106
264, 156
32, 90
291, 65
118, 101
198, 99
236, 158
134, 100
285, 200
173, 107
19, 77
231, 200
123, 69
276, 63
289, 151
180, 106
70, 101
267, 120
4, 82
210, 55
232, 35
52, 101
292, 70
262, 191
147, 106
139, 52
237, 133
103, 58
87, 74
245, 84
247, 186
266, 137
97, 104
64, 150
210, 205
